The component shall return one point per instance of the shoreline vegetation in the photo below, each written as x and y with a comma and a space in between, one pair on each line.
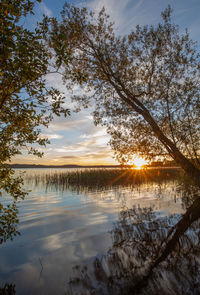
95, 178
169, 164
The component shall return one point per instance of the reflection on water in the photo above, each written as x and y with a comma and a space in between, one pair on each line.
150, 254
8, 289
8, 222
61, 228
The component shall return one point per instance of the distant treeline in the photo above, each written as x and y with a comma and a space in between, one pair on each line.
153, 164
65, 166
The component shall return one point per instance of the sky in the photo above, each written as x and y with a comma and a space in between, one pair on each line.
75, 139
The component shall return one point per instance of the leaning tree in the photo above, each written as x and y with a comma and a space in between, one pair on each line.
145, 85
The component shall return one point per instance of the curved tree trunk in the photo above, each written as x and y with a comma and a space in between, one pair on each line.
137, 106
191, 215
173, 151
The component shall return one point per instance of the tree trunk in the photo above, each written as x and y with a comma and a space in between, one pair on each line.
173, 151
180, 159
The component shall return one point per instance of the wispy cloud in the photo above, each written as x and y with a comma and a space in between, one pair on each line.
125, 14
51, 136
45, 10
70, 123
100, 157
96, 131
88, 145
39, 10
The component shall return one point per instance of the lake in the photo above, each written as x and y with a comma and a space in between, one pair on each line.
62, 227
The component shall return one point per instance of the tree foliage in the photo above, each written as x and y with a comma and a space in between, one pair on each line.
145, 85
8, 222
26, 102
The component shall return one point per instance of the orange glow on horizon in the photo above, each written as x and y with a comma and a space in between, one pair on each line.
139, 162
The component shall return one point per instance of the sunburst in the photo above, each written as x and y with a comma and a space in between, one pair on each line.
139, 162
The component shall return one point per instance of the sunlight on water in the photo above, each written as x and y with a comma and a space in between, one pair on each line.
64, 227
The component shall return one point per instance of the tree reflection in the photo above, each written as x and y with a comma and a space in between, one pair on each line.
8, 222
151, 254
8, 289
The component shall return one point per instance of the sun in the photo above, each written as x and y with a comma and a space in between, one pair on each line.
139, 162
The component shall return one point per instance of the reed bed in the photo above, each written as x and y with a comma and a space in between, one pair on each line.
106, 177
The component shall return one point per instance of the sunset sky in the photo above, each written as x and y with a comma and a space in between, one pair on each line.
75, 139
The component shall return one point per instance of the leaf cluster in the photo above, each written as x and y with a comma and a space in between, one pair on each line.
26, 101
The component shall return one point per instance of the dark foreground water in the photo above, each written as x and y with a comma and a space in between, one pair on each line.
61, 230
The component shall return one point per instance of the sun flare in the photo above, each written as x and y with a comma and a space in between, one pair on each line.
139, 162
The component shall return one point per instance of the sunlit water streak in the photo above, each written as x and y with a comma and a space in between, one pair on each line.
60, 229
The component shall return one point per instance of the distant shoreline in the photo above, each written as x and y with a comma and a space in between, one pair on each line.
67, 166
20, 166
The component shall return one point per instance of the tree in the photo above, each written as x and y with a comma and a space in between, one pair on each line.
25, 101
145, 85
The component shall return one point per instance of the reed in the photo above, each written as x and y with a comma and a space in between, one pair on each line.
106, 177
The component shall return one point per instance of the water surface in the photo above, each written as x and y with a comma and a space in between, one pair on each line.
63, 228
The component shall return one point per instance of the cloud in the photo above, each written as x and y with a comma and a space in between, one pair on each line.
96, 131
103, 155
51, 136
125, 14
69, 157
92, 147
129, 13
69, 123
82, 146
87, 157
76, 148
45, 10
39, 10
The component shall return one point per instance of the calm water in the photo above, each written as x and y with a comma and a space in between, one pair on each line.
61, 229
